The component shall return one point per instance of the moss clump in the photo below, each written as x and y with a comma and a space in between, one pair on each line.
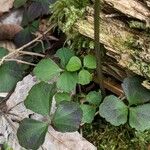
116, 138
137, 25
65, 14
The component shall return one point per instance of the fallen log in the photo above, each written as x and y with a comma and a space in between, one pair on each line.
130, 48
124, 30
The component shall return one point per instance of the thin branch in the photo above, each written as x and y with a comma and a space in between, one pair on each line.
31, 53
20, 61
24, 46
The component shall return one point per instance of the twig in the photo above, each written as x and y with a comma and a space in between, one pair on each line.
24, 46
20, 61
31, 53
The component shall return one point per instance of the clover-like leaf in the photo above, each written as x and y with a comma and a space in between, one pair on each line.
64, 54
10, 73
59, 97
40, 98
67, 81
139, 117
88, 113
94, 97
84, 77
74, 64
46, 70
114, 110
89, 61
67, 117
31, 133
134, 91
3, 52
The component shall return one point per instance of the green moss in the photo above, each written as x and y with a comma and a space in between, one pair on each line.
116, 138
137, 25
65, 14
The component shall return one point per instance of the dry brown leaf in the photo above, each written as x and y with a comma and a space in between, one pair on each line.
8, 31
5, 5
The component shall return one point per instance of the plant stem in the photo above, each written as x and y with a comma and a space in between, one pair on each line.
98, 50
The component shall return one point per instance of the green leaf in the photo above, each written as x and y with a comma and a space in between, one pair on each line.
94, 97
88, 113
67, 81
114, 110
59, 97
46, 70
3, 52
67, 117
10, 74
40, 98
19, 3
139, 117
74, 64
64, 54
31, 133
26, 35
90, 61
134, 91
84, 77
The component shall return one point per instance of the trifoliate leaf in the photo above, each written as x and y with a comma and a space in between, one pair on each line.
90, 61
10, 74
84, 77
139, 117
88, 113
94, 97
59, 97
64, 55
3, 52
31, 133
67, 117
40, 98
67, 81
114, 110
74, 64
46, 70
134, 91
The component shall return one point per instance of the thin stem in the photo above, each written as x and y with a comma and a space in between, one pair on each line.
31, 53
24, 46
98, 50
20, 61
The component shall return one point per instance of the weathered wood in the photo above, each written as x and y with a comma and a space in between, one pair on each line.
131, 48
